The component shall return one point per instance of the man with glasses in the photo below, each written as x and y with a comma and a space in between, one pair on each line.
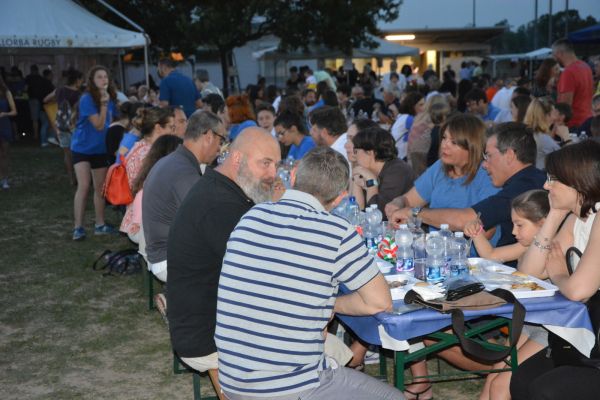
198, 238
169, 182
509, 160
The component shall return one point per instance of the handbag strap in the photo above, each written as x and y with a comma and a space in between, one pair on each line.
568, 255
477, 350
101, 257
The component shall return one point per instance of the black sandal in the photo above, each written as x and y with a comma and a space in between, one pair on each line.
417, 395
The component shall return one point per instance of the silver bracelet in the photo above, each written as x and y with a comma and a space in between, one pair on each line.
540, 246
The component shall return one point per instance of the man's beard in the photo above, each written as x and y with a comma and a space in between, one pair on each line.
253, 187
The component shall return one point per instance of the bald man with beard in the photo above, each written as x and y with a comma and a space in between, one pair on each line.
198, 238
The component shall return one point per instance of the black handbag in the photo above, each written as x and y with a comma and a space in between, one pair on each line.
563, 352
478, 300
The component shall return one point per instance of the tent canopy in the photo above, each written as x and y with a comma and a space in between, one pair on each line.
591, 34
58, 24
544, 52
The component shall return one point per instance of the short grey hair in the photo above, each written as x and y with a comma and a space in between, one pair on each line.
323, 173
201, 122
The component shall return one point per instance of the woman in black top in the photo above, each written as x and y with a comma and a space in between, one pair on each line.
380, 175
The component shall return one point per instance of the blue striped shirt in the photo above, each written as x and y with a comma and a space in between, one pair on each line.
280, 277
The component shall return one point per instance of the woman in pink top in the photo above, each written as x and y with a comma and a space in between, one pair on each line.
152, 124
163, 146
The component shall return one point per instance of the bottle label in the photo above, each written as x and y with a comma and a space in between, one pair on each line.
405, 264
434, 273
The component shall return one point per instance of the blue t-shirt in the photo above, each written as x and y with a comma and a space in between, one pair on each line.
297, 152
87, 139
129, 139
179, 90
441, 191
237, 129
492, 113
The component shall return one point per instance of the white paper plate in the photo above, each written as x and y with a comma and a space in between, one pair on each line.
495, 275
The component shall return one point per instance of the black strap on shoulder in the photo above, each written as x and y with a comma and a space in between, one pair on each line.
475, 349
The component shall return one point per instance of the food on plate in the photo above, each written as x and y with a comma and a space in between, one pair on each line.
521, 274
422, 284
527, 286
397, 284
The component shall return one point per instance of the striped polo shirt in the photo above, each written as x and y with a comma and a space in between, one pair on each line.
280, 277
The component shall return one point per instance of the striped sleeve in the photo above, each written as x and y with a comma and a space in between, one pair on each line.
354, 266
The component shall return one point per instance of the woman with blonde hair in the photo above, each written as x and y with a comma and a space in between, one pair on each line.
539, 119
419, 138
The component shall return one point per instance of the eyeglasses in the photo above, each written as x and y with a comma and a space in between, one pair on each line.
550, 179
487, 156
224, 139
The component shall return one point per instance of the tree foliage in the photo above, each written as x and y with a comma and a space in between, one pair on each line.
523, 40
186, 25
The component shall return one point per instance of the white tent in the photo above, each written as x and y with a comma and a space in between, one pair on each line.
538, 54
59, 26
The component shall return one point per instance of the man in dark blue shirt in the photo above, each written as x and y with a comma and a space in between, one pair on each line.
509, 158
177, 89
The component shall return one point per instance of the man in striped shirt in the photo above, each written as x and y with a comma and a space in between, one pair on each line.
279, 288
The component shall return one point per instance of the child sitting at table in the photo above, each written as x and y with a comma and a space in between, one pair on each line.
529, 211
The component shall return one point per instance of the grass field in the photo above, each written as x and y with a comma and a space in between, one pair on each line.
67, 332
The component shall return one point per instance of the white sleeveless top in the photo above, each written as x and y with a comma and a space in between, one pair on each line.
581, 234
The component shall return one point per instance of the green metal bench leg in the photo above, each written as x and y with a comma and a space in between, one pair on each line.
149, 286
196, 384
382, 363
179, 368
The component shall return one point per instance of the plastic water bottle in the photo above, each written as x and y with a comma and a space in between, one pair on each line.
341, 210
405, 254
353, 211
435, 259
459, 261
447, 237
369, 231
582, 136
375, 220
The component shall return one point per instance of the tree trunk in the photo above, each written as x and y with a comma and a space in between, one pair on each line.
224, 71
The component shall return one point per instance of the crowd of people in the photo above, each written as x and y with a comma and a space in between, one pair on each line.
251, 257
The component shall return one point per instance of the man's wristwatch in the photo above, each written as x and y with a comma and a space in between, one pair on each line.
371, 182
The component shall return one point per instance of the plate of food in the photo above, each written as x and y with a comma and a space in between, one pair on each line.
495, 275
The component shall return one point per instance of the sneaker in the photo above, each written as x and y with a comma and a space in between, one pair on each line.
372, 357
5, 184
79, 233
53, 141
105, 229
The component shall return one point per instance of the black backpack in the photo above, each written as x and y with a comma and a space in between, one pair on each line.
121, 262
64, 117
